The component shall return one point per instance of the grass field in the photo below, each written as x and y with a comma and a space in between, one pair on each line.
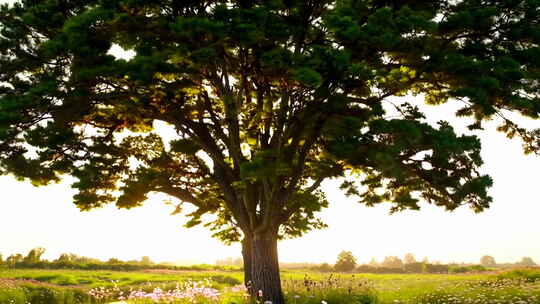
77, 286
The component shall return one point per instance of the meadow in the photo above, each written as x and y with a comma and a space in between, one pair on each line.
20, 286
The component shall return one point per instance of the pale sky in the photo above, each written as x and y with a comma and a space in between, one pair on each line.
509, 230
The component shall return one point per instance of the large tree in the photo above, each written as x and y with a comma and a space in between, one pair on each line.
268, 99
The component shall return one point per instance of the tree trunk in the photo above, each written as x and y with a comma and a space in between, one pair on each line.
265, 269
246, 256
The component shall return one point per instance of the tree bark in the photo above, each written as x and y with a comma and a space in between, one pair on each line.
266, 284
246, 256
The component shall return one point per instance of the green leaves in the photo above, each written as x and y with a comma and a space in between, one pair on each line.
200, 28
186, 146
264, 164
308, 77
403, 161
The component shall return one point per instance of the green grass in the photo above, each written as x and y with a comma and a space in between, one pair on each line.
26, 292
528, 275
72, 286
108, 278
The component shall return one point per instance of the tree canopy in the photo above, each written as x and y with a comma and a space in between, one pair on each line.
392, 262
409, 259
34, 255
526, 261
487, 260
346, 261
267, 98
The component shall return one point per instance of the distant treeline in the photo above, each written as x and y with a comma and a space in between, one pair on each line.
346, 262
417, 267
33, 259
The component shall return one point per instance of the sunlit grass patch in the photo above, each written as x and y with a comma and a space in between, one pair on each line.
29, 293
97, 278
54, 287
527, 274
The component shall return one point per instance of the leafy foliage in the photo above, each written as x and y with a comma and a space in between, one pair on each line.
392, 262
487, 260
264, 97
527, 261
345, 261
